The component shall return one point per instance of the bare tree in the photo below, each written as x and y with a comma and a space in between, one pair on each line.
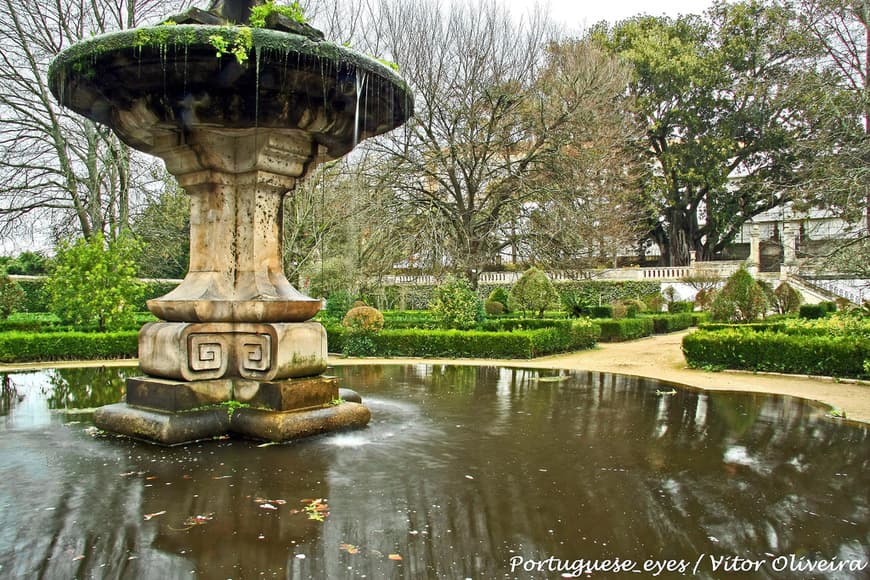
590, 210
459, 164
61, 172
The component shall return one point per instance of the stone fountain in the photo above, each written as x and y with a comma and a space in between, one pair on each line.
239, 114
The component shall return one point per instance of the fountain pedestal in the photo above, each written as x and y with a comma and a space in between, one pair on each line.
235, 350
238, 114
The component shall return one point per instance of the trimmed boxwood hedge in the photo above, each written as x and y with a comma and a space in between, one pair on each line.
618, 330
25, 347
664, 323
475, 343
840, 356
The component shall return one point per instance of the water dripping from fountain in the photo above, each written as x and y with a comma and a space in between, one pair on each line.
360, 84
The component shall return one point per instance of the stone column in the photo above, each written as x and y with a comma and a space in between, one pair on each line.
789, 253
754, 262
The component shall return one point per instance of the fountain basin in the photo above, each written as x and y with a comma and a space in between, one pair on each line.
150, 84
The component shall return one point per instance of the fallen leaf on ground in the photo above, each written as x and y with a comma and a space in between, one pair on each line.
349, 548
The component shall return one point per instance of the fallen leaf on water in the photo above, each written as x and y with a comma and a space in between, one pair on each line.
316, 509
394, 557
222, 477
268, 444
79, 557
349, 548
151, 478
274, 502
267, 506
194, 521
154, 515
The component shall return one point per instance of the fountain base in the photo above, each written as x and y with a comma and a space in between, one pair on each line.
177, 428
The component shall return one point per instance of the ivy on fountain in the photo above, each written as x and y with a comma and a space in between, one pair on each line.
260, 13
237, 41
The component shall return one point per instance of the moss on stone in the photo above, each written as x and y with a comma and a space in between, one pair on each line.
191, 35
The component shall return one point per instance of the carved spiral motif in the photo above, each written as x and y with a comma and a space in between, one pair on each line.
207, 353
255, 353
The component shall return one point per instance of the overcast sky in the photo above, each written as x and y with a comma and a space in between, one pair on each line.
576, 15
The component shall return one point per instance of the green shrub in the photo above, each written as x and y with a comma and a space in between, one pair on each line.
623, 329
830, 307
664, 323
740, 300
680, 307
501, 296
605, 311
24, 347
11, 296
493, 308
456, 304
338, 304
812, 311
841, 356
94, 283
533, 292
571, 336
362, 324
35, 297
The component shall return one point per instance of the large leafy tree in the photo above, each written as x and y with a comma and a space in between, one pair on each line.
717, 95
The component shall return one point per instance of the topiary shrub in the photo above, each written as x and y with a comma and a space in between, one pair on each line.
493, 308
740, 300
619, 310
456, 304
786, 299
501, 296
533, 292
11, 297
362, 323
812, 311
680, 307
604, 311
704, 298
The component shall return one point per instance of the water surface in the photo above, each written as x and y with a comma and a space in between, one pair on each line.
463, 473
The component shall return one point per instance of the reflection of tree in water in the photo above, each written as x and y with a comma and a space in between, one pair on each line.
85, 388
9, 395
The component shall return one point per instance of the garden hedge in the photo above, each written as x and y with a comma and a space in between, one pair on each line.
622, 329
664, 323
840, 356
25, 347
475, 343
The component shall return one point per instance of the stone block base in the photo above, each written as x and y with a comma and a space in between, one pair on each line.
289, 395
274, 426
160, 426
174, 412
170, 428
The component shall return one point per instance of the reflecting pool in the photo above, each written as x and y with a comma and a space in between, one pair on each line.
464, 472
